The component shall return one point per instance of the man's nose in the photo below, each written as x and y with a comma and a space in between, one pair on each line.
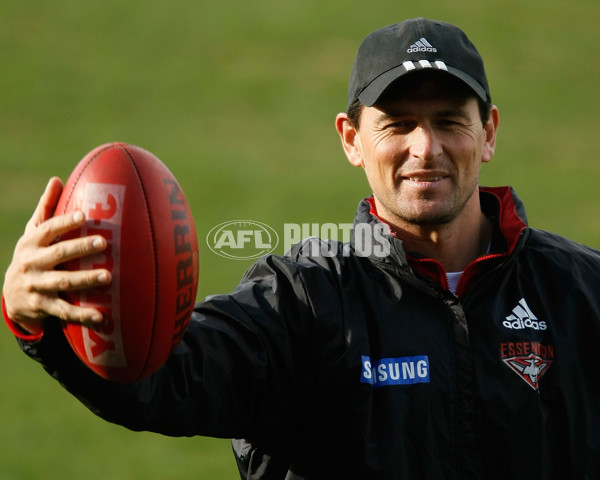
424, 143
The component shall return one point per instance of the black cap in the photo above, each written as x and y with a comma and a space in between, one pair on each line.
410, 46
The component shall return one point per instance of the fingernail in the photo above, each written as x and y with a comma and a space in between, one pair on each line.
77, 217
96, 318
98, 242
103, 277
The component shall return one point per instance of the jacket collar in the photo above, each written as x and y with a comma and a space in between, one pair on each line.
500, 204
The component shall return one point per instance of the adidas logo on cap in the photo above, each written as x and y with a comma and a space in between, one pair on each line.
421, 45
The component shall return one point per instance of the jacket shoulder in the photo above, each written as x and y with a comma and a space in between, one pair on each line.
546, 241
563, 252
308, 269
316, 252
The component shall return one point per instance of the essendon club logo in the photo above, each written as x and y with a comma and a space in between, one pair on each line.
529, 360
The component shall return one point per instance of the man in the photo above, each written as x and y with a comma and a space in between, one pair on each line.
467, 351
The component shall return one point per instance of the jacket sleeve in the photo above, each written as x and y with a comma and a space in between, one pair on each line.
241, 367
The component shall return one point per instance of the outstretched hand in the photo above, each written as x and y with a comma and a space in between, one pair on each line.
32, 285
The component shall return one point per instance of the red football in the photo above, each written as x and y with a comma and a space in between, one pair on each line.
132, 199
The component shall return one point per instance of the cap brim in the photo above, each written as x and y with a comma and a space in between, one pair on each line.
373, 92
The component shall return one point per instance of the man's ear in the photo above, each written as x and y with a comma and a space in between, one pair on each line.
350, 139
490, 128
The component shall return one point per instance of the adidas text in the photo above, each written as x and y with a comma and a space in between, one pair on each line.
520, 324
421, 49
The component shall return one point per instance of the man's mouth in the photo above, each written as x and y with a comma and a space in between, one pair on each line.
421, 179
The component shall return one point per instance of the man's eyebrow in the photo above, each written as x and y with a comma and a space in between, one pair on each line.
391, 114
454, 112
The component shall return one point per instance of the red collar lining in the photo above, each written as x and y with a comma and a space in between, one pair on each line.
510, 225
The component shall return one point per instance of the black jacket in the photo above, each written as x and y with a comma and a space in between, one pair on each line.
347, 366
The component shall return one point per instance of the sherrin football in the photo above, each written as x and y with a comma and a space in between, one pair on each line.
132, 199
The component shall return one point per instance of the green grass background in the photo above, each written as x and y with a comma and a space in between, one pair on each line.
239, 99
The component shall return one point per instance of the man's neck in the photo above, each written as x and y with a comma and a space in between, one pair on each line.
456, 244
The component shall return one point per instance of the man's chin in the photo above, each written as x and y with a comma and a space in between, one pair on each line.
427, 213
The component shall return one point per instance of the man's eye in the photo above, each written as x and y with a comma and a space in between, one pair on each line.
403, 124
448, 122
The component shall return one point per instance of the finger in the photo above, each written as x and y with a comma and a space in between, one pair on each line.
64, 281
47, 203
46, 232
65, 250
72, 313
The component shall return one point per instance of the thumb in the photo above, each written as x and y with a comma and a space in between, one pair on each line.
47, 204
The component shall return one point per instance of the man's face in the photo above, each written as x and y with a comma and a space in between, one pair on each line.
422, 152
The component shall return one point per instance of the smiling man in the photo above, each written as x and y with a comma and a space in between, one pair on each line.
468, 350
422, 147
